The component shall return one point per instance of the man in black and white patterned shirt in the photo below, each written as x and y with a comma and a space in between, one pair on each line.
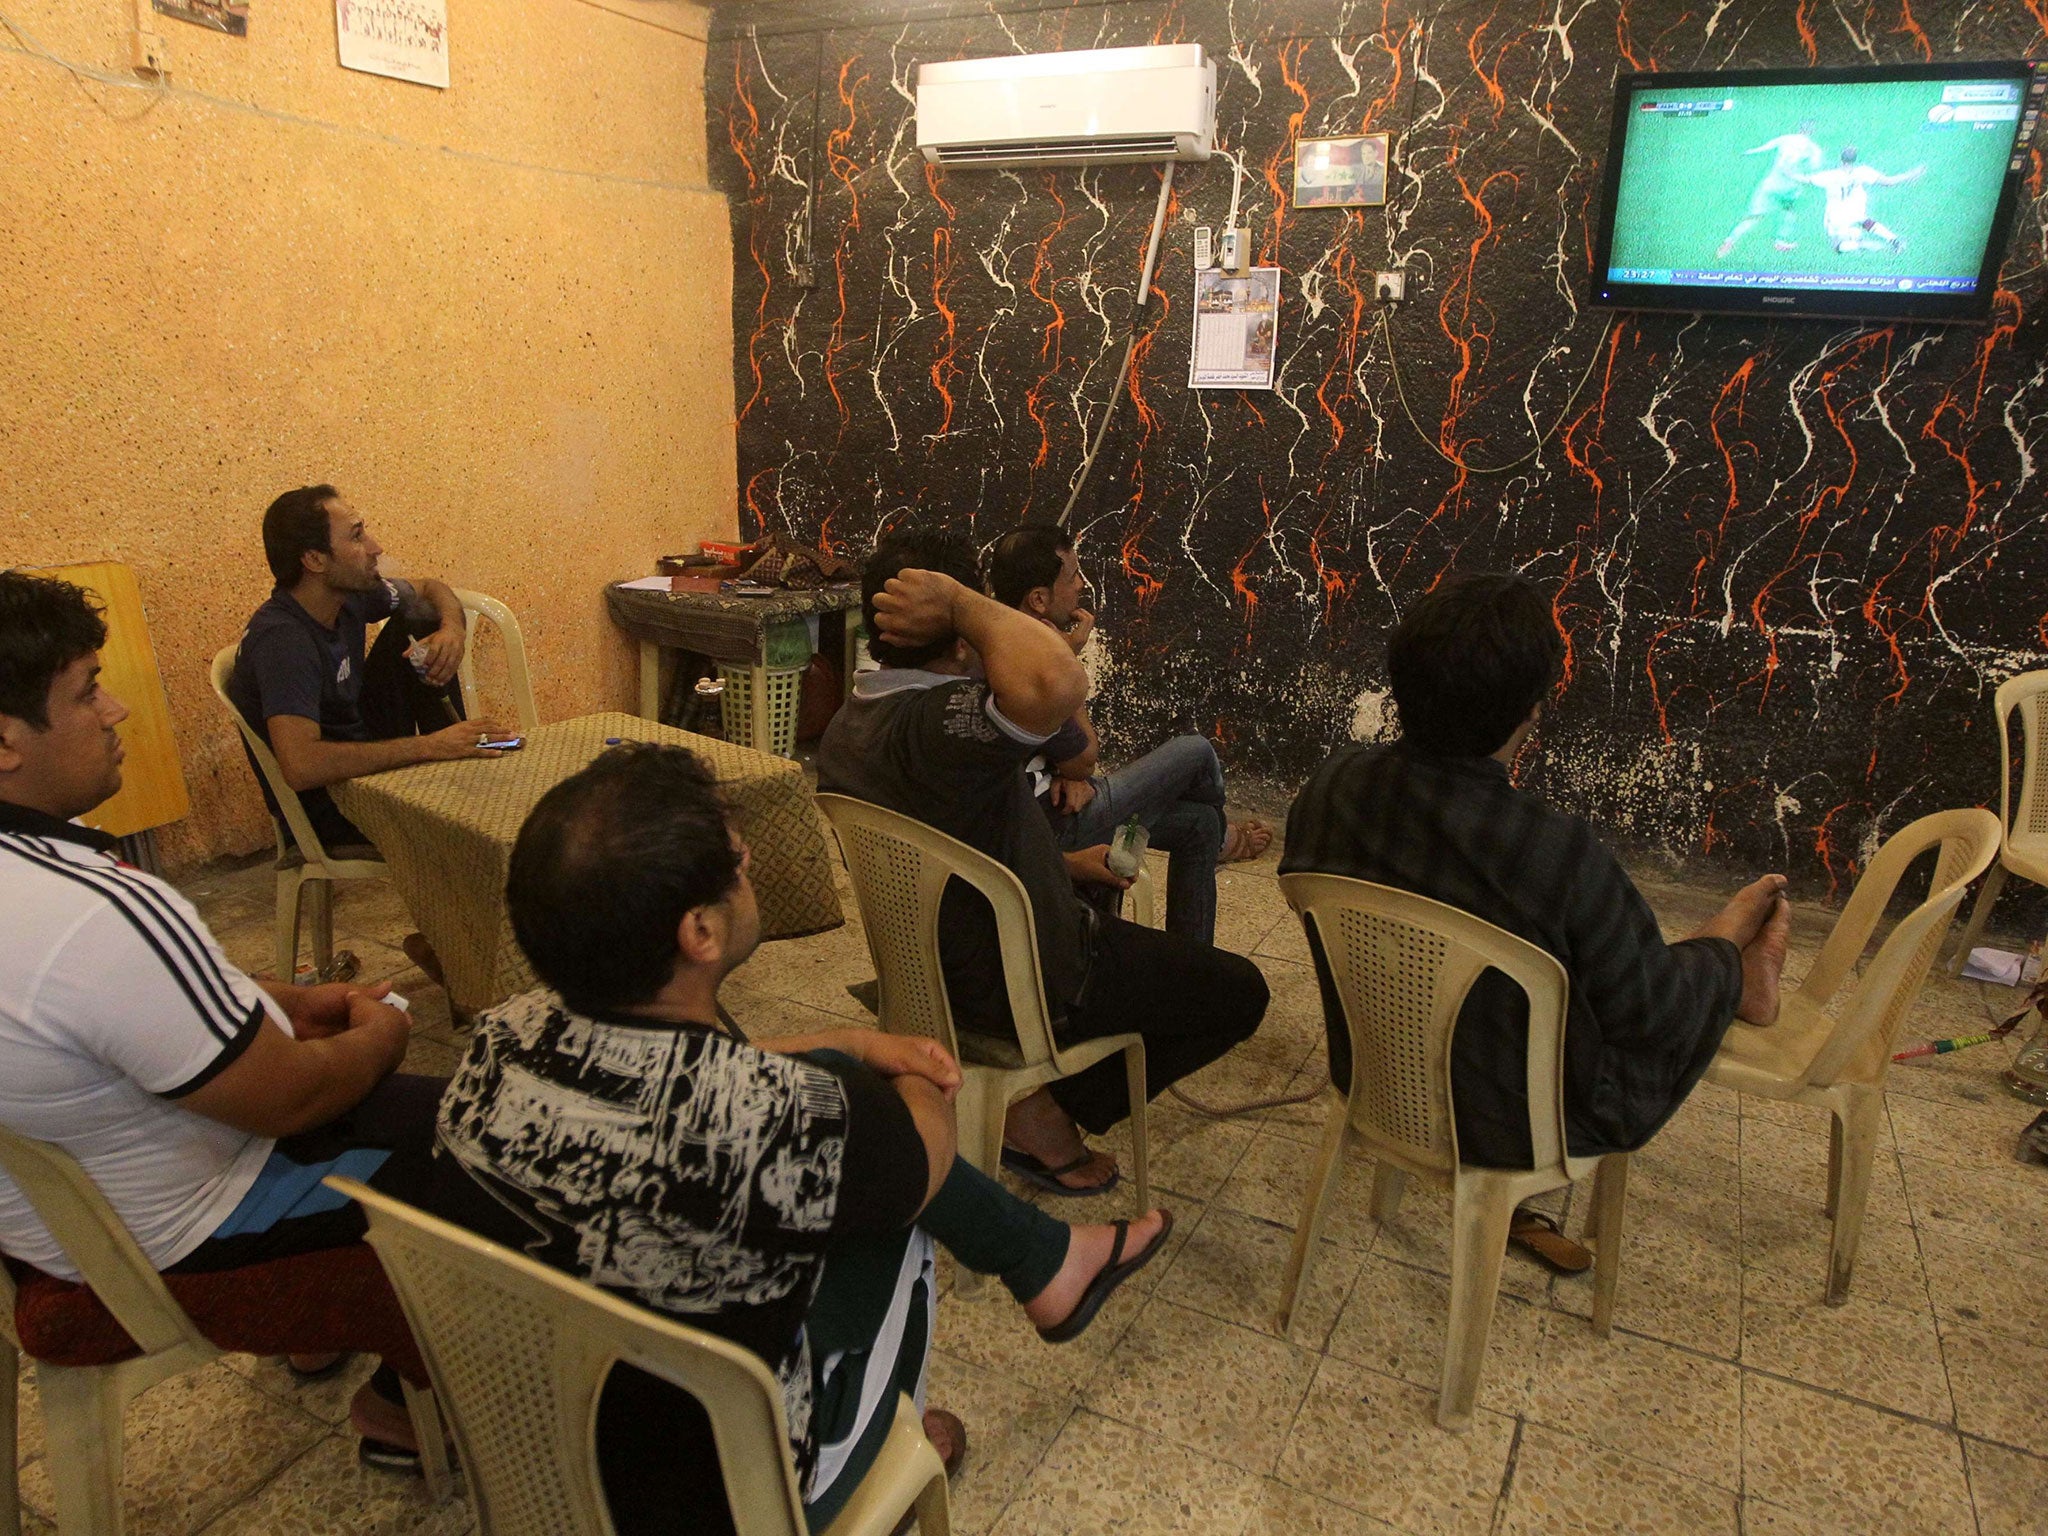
784, 1196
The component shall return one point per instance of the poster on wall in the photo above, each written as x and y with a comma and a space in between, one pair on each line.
1237, 322
229, 16
405, 39
1341, 173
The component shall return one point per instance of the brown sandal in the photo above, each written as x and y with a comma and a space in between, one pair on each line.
1543, 1237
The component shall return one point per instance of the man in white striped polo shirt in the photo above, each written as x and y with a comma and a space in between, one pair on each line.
206, 1106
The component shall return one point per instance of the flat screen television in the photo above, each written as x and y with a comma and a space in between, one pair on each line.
1884, 193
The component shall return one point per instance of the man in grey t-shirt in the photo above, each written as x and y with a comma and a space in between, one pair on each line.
969, 692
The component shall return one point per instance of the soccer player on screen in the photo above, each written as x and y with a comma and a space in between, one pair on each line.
1847, 218
1794, 157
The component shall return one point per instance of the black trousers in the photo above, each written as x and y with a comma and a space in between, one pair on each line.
1192, 1002
395, 701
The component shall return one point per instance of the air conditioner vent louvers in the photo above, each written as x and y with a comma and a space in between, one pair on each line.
1147, 147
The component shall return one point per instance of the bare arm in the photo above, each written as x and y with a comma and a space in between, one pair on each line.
1033, 673
311, 762
1902, 178
1082, 765
280, 1086
445, 645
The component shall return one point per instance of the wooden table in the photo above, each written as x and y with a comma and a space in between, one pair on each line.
734, 630
447, 829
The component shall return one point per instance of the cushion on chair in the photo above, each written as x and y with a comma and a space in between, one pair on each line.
309, 1303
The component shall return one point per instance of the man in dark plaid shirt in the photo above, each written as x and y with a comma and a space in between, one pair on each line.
1437, 813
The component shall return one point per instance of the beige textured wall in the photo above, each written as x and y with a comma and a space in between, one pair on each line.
497, 317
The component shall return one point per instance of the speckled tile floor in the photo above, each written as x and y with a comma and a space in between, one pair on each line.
1729, 1398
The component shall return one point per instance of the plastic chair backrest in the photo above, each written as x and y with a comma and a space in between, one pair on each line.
478, 603
1860, 1044
1402, 965
98, 1245
295, 817
2024, 693
519, 1353
900, 868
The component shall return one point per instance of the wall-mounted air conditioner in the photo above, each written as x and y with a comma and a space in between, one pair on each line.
1094, 106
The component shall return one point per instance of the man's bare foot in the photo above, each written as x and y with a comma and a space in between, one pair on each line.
1747, 911
316, 1367
1763, 960
377, 1418
948, 1437
1088, 1250
1038, 1126
1244, 840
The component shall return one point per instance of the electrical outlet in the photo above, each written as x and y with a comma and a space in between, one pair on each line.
806, 276
1390, 287
1234, 251
147, 54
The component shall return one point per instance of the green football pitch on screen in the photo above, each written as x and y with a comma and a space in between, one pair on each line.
1693, 196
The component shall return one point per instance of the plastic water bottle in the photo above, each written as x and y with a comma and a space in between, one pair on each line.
1127, 849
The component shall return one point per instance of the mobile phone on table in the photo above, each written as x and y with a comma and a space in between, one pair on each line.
503, 744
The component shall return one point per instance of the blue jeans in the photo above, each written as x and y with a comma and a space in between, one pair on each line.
1176, 793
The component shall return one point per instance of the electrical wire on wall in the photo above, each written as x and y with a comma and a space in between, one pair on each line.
81, 73
1144, 299
1457, 461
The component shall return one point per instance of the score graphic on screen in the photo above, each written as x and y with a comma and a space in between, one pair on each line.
1872, 187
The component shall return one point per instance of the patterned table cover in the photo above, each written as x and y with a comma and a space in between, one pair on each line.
446, 830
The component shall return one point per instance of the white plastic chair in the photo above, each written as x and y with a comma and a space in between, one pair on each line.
519, 1353
1402, 966
306, 870
83, 1405
900, 868
1830, 1049
2023, 829
477, 605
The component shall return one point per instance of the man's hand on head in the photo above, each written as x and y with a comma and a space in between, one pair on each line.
916, 607
444, 654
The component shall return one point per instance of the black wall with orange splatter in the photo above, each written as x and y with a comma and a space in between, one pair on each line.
1792, 558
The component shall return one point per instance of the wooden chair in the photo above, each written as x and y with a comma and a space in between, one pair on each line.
519, 1353
1835, 1057
900, 868
1402, 966
83, 1405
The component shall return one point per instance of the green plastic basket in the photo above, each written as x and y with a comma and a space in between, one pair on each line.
737, 706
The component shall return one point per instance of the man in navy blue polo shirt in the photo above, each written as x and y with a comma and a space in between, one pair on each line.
304, 683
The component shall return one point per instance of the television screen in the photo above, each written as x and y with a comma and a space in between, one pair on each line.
1886, 192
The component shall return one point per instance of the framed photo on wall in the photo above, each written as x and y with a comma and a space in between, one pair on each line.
1341, 173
